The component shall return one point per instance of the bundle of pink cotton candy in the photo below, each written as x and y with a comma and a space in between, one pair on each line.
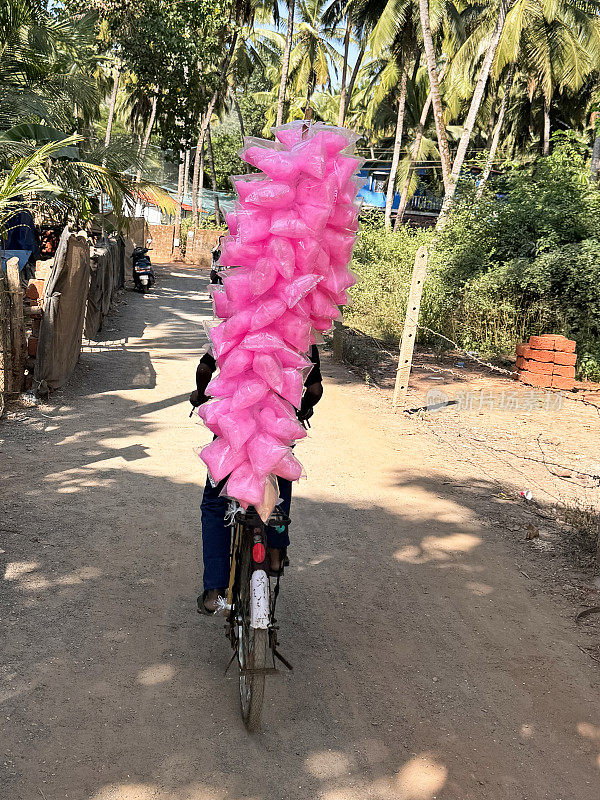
291, 239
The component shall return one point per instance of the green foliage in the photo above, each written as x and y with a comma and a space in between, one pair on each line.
505, 267
226, 145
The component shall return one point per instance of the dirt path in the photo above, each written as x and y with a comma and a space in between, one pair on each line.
428, 663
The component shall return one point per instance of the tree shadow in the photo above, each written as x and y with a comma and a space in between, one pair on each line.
422, 667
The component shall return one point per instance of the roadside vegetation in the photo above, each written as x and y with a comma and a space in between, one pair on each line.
520, 259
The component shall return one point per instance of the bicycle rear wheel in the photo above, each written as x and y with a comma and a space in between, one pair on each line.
253, 644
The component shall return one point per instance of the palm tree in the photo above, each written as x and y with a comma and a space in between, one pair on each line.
313, 56
285, 64
477, 97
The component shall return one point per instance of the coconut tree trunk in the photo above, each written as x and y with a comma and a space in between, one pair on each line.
238, 111
414, 154
491, 123
213, 175
147, 135
348, 97
595, 157
197, 185
342, 111
434, 84
111, 107
285, 64
391, 187
186, 175
205, 118
496, 135
177, 231
546, 134
478, 93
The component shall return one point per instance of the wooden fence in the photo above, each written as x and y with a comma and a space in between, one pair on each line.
13, 345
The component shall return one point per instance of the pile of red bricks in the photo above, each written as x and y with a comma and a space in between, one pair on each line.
547, 361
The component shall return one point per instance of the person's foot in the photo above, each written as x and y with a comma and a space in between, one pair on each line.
274, 558
208, 602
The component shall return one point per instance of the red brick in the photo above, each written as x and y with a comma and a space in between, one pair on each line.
564, 372
558, 382
544, 342
542, 355
533, 379
35, 289
32, 346
565, 359
539, 367
565, 345
522, 349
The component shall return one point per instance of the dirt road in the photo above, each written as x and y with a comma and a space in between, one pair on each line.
428, 663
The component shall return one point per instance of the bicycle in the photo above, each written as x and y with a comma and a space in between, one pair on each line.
250, 604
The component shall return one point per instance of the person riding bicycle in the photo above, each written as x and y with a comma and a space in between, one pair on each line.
215, 534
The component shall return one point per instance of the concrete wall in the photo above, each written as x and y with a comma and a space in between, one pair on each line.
162, 242
199, 247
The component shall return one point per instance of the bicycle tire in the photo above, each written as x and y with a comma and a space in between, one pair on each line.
253, 644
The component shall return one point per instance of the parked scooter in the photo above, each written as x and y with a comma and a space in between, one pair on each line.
143, 274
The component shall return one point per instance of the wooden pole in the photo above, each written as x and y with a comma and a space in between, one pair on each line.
17, 324
5, 347
410, 327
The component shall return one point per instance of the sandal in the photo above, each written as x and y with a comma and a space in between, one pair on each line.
202, 609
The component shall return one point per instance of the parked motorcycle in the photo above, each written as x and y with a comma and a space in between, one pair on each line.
143, 274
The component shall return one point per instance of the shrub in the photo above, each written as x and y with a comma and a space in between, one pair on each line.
522, 261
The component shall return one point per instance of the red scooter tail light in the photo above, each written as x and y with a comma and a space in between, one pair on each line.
258, 553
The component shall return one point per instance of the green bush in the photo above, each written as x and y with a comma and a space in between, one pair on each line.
523, 259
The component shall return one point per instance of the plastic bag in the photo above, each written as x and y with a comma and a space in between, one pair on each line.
278, 165
231, 222
222, 386
249, 391
282, 252
289, 467
268, 367
236, 254
284, 428
263, 276
289, 224
310, 157
265, 341
265, 452
292, 132
238, 427
292, 386
221, 458
344, 215
271, 195
293, 292
245, 485
306, 252
221, 304
280, 406
253, 226
314, 217
266, 312
236, 362
294, 330
210, 413
339, 245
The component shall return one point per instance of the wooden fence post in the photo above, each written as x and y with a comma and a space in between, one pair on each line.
5, 348
17, 324
410, 327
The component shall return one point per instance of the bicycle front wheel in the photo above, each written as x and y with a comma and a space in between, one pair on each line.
253, 644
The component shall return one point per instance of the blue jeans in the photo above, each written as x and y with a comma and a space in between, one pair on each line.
216, 535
